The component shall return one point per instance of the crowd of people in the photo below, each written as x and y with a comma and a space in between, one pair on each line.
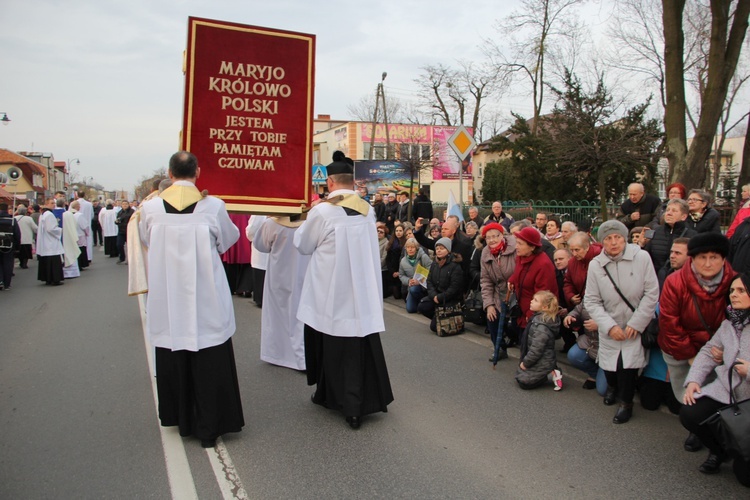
651, 304
62, 234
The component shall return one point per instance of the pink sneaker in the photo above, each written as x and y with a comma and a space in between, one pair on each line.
557, 379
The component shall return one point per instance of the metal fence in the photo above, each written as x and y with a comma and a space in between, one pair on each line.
586, 214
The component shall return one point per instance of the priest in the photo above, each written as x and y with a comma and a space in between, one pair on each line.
49, 248
342, 302
190, 317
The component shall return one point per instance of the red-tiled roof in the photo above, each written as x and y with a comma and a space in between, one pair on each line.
7, 156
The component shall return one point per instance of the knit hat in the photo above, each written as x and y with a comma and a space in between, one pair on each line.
446, 242
708, 242
491, 226
612, 227
530, 236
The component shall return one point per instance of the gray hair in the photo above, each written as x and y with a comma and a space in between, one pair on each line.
22, 210
570, 224
411, 241
164, 184
580, 238
682, 203
520, 224
473, 224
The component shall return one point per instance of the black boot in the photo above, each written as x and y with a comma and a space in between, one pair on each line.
610, 396
712, 464
624, 412
692, 443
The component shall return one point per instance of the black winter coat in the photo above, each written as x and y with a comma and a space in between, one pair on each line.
660, 245
739, 248
709, 223
445, 282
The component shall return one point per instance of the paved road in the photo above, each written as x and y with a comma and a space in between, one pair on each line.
77, 418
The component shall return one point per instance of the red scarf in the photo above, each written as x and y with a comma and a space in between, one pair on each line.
495, 251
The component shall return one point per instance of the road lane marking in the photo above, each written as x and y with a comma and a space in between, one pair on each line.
225, 472
181, 482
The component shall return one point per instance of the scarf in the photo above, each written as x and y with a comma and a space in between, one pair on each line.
412, 260
708, 285
497, 249
697, 216
739, 318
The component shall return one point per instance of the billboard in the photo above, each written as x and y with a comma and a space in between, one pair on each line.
382, 176
248, 113
446, 164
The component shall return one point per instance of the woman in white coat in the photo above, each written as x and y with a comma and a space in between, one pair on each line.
621, 296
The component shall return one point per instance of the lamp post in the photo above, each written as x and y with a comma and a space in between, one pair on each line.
5, 120
66, 173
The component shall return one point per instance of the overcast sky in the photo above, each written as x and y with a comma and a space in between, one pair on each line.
101, 80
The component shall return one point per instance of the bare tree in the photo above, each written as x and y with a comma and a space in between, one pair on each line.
729, 22
544, 23
364, 109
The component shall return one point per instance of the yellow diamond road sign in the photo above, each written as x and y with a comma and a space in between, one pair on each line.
462, 142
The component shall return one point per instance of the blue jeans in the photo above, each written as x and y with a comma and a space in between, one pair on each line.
496, 327
579, 359
415, 294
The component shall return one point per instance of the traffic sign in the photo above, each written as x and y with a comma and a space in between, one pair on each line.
319, 174
462, 142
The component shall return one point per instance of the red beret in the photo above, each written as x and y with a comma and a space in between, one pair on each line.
490, 226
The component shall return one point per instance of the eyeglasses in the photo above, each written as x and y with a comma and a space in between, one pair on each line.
700, 200
381, 231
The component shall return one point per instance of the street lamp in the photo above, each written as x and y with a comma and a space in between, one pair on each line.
5, 118
66, 173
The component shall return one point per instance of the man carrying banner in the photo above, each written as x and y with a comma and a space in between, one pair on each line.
190, 317
343, 315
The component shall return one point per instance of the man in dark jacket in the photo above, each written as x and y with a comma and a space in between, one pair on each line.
739, 250
10, 239
403, 206
674, 227
499, 216
640, 208
123, 217
422, 206
391, 212
379, 207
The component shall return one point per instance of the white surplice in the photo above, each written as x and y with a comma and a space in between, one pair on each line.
70, 244
49, 236
258, 259
282, 340
107, 220
87, 210
343, 290
189, 303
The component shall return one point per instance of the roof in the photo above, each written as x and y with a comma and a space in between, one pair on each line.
32, 167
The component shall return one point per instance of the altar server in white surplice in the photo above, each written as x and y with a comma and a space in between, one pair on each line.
70, 242
258, 259
190, 318
281, 333
87, 209
342, 301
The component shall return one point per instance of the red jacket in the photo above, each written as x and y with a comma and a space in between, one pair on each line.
681, 331
575, 278
532, 274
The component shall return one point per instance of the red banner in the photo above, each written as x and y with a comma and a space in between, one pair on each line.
248, 113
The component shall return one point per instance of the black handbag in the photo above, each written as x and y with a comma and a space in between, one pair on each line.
474, 308
731, 425
514, 308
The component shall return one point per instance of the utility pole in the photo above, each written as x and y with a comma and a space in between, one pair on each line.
379, 94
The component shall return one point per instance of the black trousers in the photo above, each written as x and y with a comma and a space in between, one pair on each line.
624, 380
96, 229
121, 241
691, 417
198, 391
7, 260
350, 373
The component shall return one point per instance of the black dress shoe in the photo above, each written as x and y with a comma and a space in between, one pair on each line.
610, 397
354, 422
624, 412
589, 384
692, 443
712, 464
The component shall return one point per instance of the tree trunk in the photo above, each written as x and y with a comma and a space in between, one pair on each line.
744, 168
674, 113
722, 62
602, 181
